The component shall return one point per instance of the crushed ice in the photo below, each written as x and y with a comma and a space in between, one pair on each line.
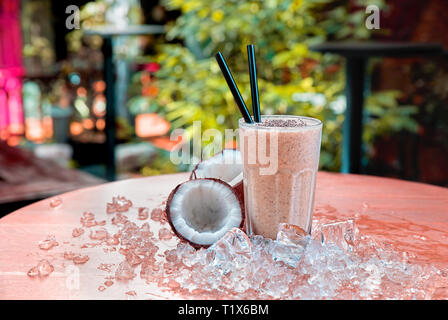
48, 243
43, 269
118, 204
334, 262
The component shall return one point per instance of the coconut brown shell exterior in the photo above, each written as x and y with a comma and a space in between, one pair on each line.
168, 212
239, 189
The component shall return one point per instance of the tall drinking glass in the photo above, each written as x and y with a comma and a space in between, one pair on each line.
280, 162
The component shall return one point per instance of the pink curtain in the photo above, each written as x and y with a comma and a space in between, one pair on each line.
11, 69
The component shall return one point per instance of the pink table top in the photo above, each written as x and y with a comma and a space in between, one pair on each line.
412, 217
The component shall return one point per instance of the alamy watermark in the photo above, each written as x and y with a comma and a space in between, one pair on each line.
263, 143
373, 20
72, 278
72, 21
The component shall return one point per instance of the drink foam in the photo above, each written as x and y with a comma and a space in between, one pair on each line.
282, 123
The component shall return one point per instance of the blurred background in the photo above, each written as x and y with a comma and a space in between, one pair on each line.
89, 100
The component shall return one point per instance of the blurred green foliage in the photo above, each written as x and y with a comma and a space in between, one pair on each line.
292, 79
94, 14
160, 165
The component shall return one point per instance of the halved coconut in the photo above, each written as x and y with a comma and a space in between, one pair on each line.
226, 166
201, 211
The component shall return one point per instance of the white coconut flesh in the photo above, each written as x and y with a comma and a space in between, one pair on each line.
225, 166
202, 211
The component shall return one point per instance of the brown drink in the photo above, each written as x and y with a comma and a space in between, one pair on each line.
280, 161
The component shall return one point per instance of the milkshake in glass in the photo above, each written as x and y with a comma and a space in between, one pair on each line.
280, 162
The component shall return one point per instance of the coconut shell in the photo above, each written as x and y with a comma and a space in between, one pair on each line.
239, 188
168, 212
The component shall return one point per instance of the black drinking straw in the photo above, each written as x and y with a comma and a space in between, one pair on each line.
233, 88
253, 82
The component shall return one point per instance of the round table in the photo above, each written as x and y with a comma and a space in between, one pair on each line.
412, 217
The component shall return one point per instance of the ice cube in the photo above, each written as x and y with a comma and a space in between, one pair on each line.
158, 215
165, 234
124, 271
80, 259
100, 234
289, 254
33, 272
108, 283
173, 284
276, 285
133, 259
185, 249
48, 243
105, 267
55, 203
88, 220
290, 244
150, 271
186, 253
238, 241
122, 204
110, 207
257, 240
342, 234
69, 255
119, 219
77, 232
45, 268
290, 234
143, 213
114, 240
171, 255
233, 250
118, 204
145, 230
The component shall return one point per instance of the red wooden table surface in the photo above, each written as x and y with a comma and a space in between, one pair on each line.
413, 217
